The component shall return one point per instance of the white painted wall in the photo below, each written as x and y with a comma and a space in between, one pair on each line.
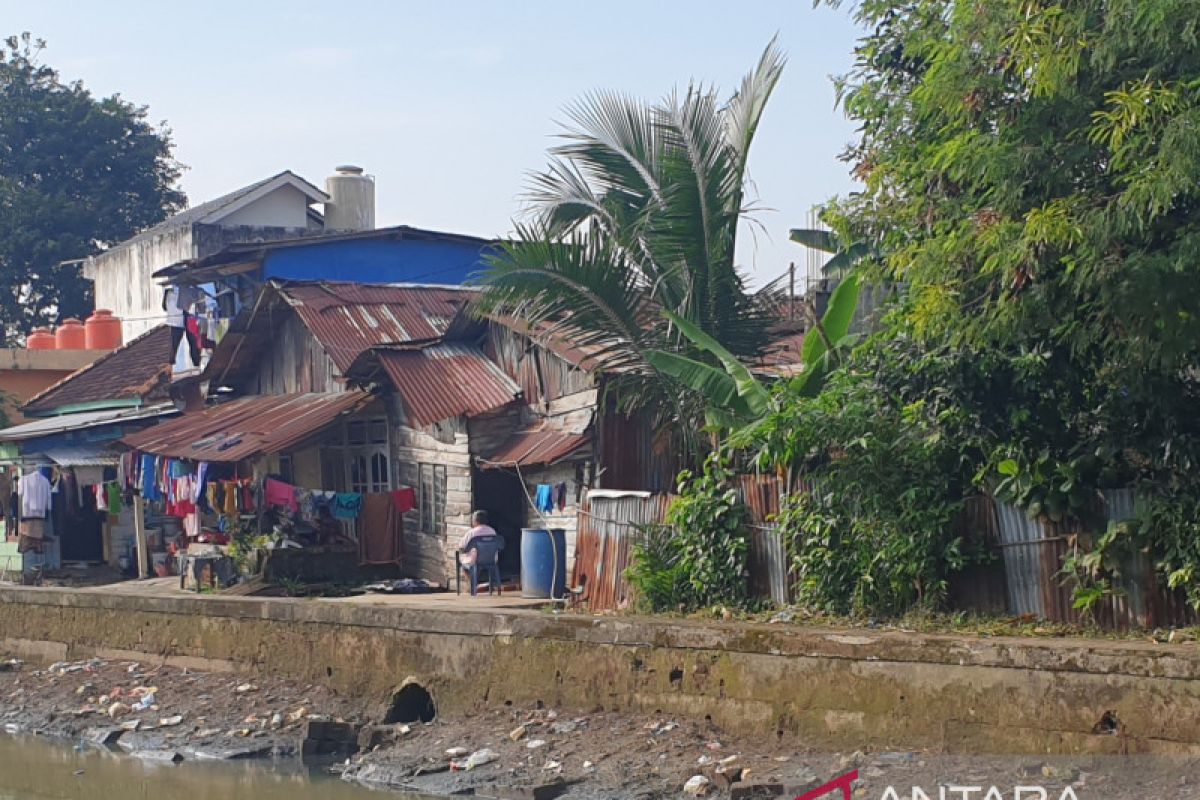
123, 282
122, 276
285, 207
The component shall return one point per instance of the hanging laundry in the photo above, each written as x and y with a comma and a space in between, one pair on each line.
304, 500
347, 505
323, 503
381, 530
230, 505
544, 498
405, 499
248, 492
560, 495
34, 490
112, 492
150, 479
32, 535
278, 493
201, 481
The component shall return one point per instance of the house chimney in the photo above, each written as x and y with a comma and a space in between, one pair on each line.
351, 205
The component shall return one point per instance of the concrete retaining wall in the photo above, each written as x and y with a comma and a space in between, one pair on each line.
833, 689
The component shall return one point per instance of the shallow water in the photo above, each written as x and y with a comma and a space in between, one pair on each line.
40, 769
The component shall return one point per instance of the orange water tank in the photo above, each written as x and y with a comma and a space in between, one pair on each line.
102, 331
40, 339
70, 335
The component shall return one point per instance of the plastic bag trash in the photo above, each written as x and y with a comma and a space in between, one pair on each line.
144, 703
697, 785
171, 721
477, 759
246, 687
551, 766
457, 752
534, 744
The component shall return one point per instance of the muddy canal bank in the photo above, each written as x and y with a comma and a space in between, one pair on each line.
171, 719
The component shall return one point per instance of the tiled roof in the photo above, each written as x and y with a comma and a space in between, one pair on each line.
446, 380
536, 447
139, 370
247, 427
351, 318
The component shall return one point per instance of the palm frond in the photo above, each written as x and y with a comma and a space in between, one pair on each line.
745, 108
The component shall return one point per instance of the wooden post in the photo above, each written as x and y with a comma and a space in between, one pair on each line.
139, 530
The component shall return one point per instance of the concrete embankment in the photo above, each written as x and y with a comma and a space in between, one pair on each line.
836, 689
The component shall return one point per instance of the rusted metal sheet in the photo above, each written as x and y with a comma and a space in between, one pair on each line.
1140, 600
350, 318
542, 374
761, 494
769, 562
980, 586
537, 447
247, 427
610, 524
446, 380
1033, 552
634, 454
769, 565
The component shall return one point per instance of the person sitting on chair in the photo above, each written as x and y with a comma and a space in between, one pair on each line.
479, 527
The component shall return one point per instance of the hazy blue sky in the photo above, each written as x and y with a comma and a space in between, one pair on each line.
448, 104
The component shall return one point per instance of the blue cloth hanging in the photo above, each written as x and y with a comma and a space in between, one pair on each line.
149, 478
544, 499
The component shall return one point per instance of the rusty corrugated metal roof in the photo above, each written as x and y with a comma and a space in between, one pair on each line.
536, 447
350, 318
446, 380
246, 427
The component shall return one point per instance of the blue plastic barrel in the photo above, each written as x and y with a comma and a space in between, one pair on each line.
543, 562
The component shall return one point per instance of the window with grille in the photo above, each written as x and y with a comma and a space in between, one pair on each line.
432, 497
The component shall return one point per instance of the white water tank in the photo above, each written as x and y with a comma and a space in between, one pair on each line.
351, 205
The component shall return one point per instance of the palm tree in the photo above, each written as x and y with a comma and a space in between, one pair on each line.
636, 214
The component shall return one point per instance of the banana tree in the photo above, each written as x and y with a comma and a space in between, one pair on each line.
845, 254
734, 396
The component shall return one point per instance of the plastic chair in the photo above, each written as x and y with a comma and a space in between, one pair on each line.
487, 558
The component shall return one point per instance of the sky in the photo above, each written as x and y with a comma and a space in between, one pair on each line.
451, 105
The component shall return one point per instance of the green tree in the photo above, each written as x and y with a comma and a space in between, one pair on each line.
638, 213
1031, 170
77, 174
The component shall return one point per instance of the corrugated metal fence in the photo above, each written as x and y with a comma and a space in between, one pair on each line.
1023, 576
610, 523
770, 567
1028, 570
